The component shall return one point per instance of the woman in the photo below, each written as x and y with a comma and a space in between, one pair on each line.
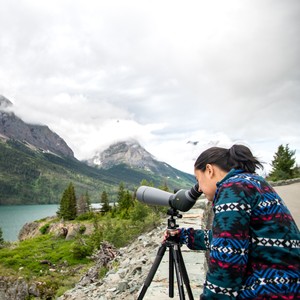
254, 242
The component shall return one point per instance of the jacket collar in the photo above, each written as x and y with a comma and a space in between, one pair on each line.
231, 173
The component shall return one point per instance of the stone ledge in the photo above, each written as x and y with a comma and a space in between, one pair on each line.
284, 182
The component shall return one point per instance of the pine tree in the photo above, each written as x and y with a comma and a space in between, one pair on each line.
87, 201
139, 212
105, 203
67, 209
147, 183
1, 237
125, 200
164, 187
120, 195
83, 204
283, 164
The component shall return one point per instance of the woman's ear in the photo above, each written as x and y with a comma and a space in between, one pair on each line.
210, 170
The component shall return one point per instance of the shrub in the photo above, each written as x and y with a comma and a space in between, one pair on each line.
102, 272
1, 237
86, 216
82, 229
44, 228
81, 249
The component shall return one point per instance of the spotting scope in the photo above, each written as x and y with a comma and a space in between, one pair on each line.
182, 200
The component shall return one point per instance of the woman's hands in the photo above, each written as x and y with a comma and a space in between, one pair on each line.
172, 235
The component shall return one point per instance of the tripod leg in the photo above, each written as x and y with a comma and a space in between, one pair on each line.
176, 259
185, 275
171, 274
159, 256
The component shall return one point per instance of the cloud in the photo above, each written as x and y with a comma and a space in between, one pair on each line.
164, 72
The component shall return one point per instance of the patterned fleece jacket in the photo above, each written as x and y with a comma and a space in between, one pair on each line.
254, 242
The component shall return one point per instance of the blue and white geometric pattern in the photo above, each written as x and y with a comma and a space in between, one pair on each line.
206, 238
276, 242
271, 281
229, 250
233, 207
220, 290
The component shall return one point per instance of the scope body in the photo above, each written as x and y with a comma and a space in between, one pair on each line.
182, 200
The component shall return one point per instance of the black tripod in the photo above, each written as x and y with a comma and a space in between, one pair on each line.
175, 259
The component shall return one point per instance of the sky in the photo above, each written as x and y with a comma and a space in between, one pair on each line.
177, 76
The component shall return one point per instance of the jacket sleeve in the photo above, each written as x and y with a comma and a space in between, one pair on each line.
195, 239
229, 245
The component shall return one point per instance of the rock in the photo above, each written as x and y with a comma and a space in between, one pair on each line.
29, 230
123, 286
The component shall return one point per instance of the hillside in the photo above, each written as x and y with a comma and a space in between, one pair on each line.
29, 176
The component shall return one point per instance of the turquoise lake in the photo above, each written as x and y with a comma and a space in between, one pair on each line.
13, 217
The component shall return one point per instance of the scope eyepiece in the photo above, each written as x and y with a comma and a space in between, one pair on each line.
194, 192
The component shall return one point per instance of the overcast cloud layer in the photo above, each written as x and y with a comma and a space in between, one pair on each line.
162, 72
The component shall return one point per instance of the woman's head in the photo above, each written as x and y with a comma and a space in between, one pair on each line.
214, 163
237, 157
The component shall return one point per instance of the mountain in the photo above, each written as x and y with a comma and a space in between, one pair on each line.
36, 136
36, 165
126, 152
131, 154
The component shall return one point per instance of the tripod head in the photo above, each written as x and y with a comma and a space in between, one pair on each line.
172, 212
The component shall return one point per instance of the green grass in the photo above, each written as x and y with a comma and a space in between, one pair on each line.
30, 255
27, 259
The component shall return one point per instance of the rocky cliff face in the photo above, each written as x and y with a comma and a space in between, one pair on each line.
38, 136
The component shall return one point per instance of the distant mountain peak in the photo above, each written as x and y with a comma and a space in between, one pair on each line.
4, 102
127, 152
132, 155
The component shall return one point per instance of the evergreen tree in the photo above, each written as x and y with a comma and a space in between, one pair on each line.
120, 195
164, 187
87, 201
67, 209
105, 203
147, 183
1, 237
97, 235
125, 200
139, 212
283, 164
83, 204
